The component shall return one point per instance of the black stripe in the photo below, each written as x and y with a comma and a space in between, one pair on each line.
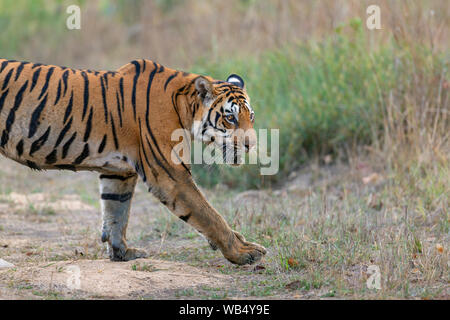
66, 167
139, 167
147, 121
40, 142
7, 78
115, 177
66, 146
186, 217
102, 144
32, 165
58, 93
116, 142
117, 197
3, 65
135, 80
69, 108
83, 155
118, 109
140, 171
158, 161
226, 85
86, 94
170, 79
47, 80
64, 77
12, 114
121, 93
105, 107
105, 76
87, 132
3, 98
35, 78
34, 122
19, 148
19, 70
175, 106
63, 133
51, 158
154, 172
216, 119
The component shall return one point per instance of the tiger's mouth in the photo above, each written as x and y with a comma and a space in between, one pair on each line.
231, 151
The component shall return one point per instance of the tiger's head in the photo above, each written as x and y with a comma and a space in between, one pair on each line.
225, 117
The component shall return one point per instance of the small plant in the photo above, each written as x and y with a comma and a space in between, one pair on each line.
146, 267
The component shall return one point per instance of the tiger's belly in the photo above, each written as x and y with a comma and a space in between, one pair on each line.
55, 149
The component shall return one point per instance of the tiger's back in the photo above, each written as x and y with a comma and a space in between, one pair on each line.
58, 118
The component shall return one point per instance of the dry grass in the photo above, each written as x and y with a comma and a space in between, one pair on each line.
178, 35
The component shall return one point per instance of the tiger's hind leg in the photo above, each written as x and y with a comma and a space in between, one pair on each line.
116, 193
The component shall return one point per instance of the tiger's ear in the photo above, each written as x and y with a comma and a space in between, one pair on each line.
205, 89
236, 80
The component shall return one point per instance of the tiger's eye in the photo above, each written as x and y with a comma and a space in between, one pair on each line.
231, 117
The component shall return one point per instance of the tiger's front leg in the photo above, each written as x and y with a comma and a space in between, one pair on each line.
116, 192
186, 201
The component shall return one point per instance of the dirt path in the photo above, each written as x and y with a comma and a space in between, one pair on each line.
144, 278
54, 245
53, 239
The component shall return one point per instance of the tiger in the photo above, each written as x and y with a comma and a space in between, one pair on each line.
118, 124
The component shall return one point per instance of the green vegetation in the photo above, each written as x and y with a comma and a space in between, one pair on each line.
325, 97
21, 21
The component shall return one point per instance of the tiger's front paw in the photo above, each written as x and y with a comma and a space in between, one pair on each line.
126, 254
244, 252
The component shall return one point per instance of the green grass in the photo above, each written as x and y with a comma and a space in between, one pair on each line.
146, 267
21, 20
